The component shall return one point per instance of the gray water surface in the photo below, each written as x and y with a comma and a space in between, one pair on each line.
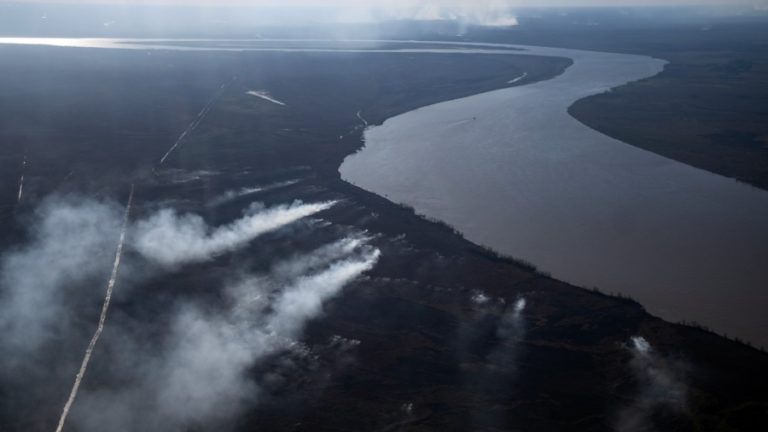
512, 170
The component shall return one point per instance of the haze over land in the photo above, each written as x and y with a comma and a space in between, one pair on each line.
118, 17
245, 285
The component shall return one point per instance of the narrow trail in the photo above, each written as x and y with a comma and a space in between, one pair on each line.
200, 117
102, 317
21, 180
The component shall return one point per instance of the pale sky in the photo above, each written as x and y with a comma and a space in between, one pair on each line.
406, 3
482, 12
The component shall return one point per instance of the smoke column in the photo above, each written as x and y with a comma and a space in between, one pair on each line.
102, 317
231, 195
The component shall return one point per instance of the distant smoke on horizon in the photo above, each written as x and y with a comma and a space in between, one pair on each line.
304, 18
496, 13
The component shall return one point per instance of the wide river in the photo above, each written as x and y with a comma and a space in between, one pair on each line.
512, 170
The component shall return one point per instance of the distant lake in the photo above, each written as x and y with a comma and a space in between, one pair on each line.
512, 170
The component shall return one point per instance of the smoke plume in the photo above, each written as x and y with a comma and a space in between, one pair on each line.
199, 377
484, 12
65, 262
510, 331
102, 317
191, 370
171, 239
661, 387
232, 195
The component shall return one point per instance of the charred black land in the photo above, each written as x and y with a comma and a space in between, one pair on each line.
431, 353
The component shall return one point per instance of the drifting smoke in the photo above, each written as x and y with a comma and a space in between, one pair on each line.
199, 378
66, 261
508, 331
480, 298
661, 387
485, 12
304, 300
511, 330
199, 119
191, 373
300, 265
102, 317
232, 195
171, 239
263, 94
502, 324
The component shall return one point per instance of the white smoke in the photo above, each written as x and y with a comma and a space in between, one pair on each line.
66, 261
640, 346
305, 298
102, 317
661, 386
483, 12
479, 298
232, 195
192, 372
500, 361
511, 330
171, 239
519, 307
300, 265
199, 378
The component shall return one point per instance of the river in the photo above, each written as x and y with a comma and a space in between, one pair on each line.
512, 170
